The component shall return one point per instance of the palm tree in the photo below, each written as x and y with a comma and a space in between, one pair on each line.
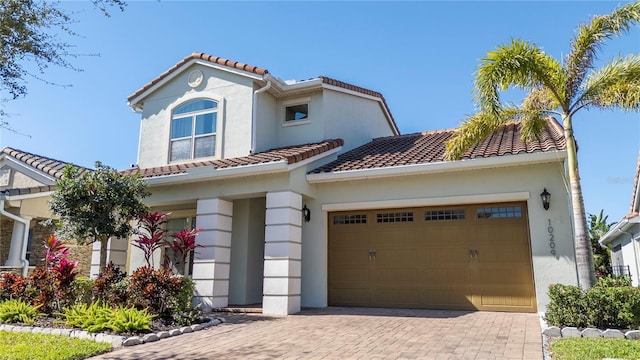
556, 88
598, 226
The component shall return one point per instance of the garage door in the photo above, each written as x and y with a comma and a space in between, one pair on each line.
453, 257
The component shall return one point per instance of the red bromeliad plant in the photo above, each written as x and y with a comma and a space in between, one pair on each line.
182, 244
151, 234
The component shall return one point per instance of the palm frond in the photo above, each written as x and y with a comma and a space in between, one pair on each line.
615, 85
590, 38
475, 128
519, 64
539, 104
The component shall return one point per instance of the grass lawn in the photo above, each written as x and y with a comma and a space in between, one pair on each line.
19, 345
595, 348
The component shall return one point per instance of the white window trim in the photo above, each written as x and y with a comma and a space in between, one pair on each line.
218, 131
293, 102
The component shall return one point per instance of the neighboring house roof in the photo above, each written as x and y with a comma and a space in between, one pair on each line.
429, 147
264, 73
45, 164
290, 154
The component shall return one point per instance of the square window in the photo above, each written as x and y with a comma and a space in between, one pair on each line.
297, 112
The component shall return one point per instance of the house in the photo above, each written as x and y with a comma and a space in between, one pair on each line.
622, 238
26, 183
308, 196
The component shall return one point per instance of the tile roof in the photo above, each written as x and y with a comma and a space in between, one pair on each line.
428, 147
47, 165
199, 56
290, 154
255, 70
636, 183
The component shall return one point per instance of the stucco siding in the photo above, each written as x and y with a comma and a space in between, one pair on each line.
434, 190
354, 119
301, 131
234, 95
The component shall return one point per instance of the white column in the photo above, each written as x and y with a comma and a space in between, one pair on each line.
18, 247
212, 260
116, 253
282, 253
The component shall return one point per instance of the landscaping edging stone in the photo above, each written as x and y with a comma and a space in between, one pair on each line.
115, 340
572, 332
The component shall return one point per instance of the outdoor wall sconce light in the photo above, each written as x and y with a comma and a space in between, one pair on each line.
306, 213
546, 199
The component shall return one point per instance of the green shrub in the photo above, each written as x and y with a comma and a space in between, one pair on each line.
613, 307
566, 306
130, 320
181, 305
99, 317
610, 281
611, 303
17, 311
81, 291
93, 318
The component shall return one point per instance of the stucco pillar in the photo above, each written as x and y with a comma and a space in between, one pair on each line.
116, 253
282, 253
212, 261
18, 247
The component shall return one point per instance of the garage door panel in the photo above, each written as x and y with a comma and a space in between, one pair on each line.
456, 257
350, 297
396, 296
505, 298
451, 298
407, 276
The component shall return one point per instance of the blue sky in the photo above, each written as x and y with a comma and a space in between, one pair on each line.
420, 55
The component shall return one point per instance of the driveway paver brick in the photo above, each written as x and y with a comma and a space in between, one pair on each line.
355, 333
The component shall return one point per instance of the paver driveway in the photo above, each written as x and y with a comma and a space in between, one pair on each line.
355, 333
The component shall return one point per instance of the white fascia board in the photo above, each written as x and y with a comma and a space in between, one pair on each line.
30, 171
439, 167
396, 131
134, 103
211, 173
434, 201
636, 204
27, 196
618, 229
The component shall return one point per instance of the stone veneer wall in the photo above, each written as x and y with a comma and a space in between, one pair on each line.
39, 234
6, 229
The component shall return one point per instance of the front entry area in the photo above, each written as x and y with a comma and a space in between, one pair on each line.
467, 257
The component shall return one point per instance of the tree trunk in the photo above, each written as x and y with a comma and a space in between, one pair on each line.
582, 243
103, 252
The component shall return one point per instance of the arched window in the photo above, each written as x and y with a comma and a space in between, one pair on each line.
193, 130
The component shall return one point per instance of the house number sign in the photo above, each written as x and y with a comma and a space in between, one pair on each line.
552, 243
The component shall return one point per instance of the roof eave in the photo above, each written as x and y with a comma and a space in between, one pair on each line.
135, 102
211, 173
439, 167
620, 228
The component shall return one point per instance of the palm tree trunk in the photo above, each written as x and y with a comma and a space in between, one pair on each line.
584, 255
